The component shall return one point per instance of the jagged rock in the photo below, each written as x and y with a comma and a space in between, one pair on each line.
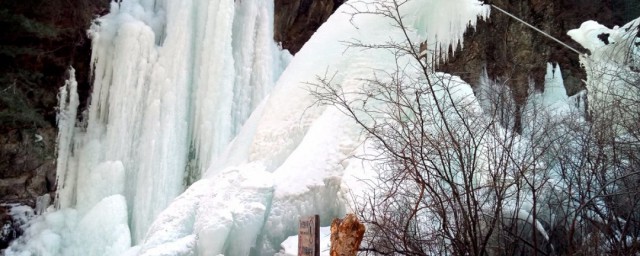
346, 236
27, 163
7, 231
516, 54
11, 223
296, 20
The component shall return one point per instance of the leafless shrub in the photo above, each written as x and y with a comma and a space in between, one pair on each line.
453, 178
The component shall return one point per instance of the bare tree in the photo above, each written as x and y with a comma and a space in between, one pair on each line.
601, 164
454, 178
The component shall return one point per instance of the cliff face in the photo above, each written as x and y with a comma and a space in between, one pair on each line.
40, 40
297, 20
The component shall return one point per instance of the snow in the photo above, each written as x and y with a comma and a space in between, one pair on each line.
611, 68
290, 245
587, 35
102, 231
109, 179
181, 246
20, 215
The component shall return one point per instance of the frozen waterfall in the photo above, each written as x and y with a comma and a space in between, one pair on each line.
164, 79
183, 90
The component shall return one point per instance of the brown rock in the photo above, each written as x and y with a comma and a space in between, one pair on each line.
346, 236
27, 163
296, 20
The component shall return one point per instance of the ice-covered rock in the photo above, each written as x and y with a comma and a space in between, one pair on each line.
612, 69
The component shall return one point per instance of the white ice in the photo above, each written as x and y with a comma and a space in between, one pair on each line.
303, 149
611, 68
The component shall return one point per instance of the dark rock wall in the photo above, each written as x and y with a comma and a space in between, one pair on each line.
295, 21
511, 52
40, 39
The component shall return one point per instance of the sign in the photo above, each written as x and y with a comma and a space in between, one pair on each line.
309, 236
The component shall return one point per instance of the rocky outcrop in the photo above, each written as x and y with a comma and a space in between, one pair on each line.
296, 20
346, 236
8, 229
27, 163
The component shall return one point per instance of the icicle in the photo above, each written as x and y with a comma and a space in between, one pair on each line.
66, 118
554, 90
445, 27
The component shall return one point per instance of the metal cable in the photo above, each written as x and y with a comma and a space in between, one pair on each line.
536, 29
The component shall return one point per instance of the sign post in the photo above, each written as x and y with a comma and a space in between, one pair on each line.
309, 236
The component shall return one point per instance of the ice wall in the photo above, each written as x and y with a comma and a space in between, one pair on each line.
172, 83
552, 100
302, 149
166, 79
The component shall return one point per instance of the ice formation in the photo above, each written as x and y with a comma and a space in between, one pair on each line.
174, 82
302, 148
612, 67
164, 79
552, 102
438, 23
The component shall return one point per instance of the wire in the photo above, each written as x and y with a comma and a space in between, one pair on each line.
536, 29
